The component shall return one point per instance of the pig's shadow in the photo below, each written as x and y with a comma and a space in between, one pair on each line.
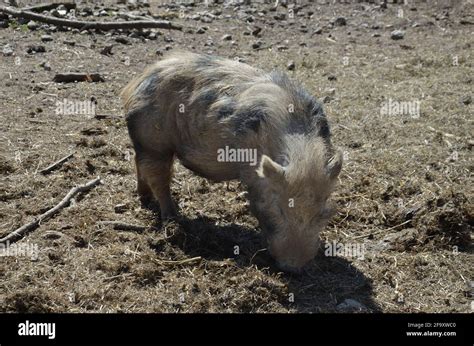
321, 288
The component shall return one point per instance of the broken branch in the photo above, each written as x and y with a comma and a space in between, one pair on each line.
56, 164
77, 77
125, 226
84, 25
64, 202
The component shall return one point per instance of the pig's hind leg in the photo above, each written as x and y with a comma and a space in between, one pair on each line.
154, 174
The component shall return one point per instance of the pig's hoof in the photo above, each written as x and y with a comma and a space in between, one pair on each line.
165, 218
146, 201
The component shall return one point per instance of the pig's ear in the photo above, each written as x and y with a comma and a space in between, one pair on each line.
334, 165
270, 169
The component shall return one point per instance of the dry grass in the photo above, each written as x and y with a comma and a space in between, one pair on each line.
403, 193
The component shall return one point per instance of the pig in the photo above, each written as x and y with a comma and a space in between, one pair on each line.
204, 110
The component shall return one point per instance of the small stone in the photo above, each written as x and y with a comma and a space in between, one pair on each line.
7, 50
227, 37
46, 66
120, 208
32, 25
291, 66
279, 16
87, 11
330, 91
332, 77
201, 30
317, 31
207, 19
256, 31
59, 13
340, 21
35, 49
122, 40
46, 38
256, 44
327, 99
107, 50
466, 100
397, 35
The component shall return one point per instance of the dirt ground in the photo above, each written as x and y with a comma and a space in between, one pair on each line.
405, 192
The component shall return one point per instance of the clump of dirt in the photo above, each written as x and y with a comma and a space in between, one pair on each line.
31, 300
447, 222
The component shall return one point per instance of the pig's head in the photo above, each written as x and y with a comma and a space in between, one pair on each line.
291, 203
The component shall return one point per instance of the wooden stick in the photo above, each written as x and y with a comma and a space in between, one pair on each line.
43, 217
107, 116
125, 226
84, 25
77, 77
56, 164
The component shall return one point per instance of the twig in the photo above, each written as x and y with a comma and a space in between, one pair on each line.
77, 77
124, 275
84, 25
37, 221
56, 164
255, 254
185, 261
382, 230
125, 226
107, 116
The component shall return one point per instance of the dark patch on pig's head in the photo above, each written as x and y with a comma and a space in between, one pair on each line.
205, 97
226, 110
148, 86
308, 102
313, 113
308, 116
249, 118
322, 126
